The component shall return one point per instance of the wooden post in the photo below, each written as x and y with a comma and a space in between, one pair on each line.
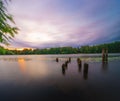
63, 69
85, 71
79, 67
66, 64
69, 60
86, 67
57, 60
104, 55
79, 61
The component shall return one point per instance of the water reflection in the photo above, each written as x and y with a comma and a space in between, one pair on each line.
22, 64
104, 66
43, 78
14, 59
79, 67
65, 65
79, 62
83, 69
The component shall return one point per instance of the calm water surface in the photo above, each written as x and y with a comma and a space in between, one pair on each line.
41, 78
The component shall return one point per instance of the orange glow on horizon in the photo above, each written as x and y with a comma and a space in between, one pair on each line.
19, 49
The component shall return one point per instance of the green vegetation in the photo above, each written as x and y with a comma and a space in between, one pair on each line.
5, 51
112, 48
7, 30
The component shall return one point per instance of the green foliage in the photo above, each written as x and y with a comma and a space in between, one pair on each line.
7, 31
112, 48
59, 50
5, 51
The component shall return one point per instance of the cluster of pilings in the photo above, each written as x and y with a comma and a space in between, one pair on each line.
104, 55
86, 65
85, 69
65, 65
79, 62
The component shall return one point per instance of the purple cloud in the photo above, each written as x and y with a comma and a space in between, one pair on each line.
52, 23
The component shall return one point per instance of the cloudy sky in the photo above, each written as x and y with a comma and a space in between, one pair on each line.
57, 23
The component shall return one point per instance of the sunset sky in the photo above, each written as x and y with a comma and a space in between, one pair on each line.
57, 23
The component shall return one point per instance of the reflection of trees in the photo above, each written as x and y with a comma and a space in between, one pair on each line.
65, 66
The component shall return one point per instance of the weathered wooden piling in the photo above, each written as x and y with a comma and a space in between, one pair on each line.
66, 64
80, 64
63, 65
104, 55
57, 60
85, 67
85, 71
79, 67
63, 69
69, 60
79, 61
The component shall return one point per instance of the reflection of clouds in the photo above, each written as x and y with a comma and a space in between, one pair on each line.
34, 66
22, 72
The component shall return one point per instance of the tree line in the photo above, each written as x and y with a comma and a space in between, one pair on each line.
112, 48
8, 31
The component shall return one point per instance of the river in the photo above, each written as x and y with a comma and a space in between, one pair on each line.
41, 78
